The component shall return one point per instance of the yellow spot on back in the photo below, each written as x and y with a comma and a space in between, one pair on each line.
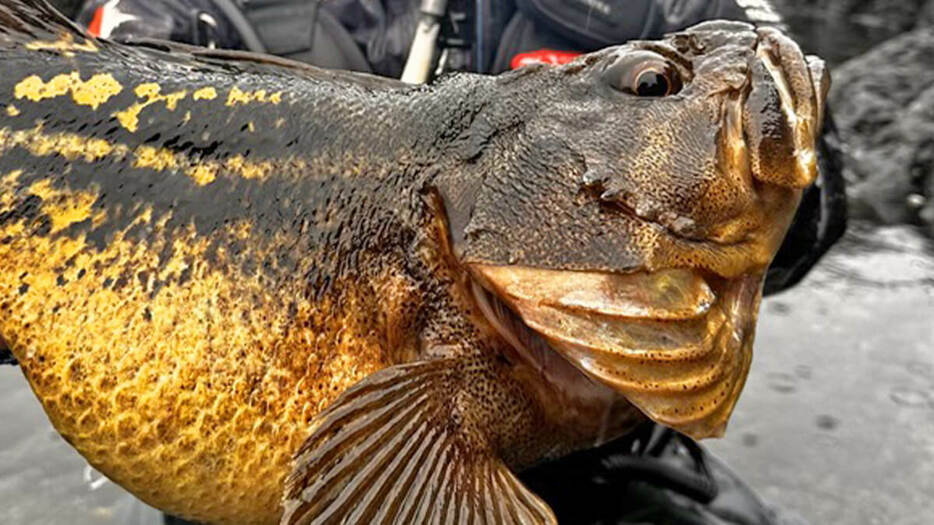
8, 186
12, 111
33, 87
69, 145
250, 126
129, 117
155, 158
247, 169
91, 92
8, 182
203, 174
145, 217
205, 93
238, 96
98, 148
73, 146
42, 189
65, 45
96, 90
63, 208
147, 89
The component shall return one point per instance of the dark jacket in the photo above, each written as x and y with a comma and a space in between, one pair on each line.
374, 35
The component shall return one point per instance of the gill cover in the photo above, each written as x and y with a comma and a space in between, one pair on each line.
675, 347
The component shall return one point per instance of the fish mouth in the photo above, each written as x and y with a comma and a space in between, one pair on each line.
675, 343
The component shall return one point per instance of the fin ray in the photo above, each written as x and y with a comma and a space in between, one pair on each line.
367, 486
402, 476
339, 477
393, 449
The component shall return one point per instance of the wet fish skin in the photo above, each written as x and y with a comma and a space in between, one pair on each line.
211, 262
202, 252
191, 271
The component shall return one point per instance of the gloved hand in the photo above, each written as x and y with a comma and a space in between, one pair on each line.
652, 476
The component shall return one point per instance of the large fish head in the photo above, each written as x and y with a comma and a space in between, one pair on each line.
626, 219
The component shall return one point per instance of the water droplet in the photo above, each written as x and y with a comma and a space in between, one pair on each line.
910, 397
803, 371
826, 422
915, 201
921, 369
749, 439
93, 478
779, 307
828, 440
782, 382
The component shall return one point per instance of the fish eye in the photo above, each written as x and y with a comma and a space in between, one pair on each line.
644, 74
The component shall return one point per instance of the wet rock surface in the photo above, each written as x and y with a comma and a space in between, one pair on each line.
836, 422
882, 98
884, 106
839, 30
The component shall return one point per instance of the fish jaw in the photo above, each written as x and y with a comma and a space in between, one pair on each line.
677, 344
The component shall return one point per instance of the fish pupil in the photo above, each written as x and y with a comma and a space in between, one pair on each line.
651, 84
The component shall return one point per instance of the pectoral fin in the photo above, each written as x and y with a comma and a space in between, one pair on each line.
404, 446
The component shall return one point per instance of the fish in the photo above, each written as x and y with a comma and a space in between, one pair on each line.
253, 291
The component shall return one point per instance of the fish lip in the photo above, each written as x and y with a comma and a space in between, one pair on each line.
727, 350
802, 83
802, 100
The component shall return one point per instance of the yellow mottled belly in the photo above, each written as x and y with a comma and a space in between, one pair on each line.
190, 383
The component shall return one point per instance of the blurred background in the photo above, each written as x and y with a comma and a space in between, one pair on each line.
836, 423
